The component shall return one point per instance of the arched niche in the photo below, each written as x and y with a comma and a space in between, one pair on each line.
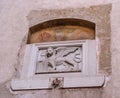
64, 29
69, 59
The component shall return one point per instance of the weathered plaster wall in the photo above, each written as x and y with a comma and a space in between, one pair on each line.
14, 27
115, 49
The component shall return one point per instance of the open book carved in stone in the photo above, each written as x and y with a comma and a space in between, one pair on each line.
59, 59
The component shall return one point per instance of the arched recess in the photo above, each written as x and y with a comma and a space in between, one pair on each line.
43, 62
61, 30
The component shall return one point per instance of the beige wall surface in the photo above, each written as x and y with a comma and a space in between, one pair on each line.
14, 26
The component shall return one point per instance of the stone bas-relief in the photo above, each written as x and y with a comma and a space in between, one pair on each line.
59, 59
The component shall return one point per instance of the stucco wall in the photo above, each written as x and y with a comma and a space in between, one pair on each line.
14, 27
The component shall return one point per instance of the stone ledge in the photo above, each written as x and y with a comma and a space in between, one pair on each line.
84, 81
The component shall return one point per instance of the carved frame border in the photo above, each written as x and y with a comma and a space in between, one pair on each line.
87, 78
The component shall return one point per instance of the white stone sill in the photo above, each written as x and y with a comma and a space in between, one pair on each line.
38, 83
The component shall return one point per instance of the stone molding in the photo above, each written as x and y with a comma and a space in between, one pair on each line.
87, 77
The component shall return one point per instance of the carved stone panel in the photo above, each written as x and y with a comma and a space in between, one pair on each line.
59, 59
52, 64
